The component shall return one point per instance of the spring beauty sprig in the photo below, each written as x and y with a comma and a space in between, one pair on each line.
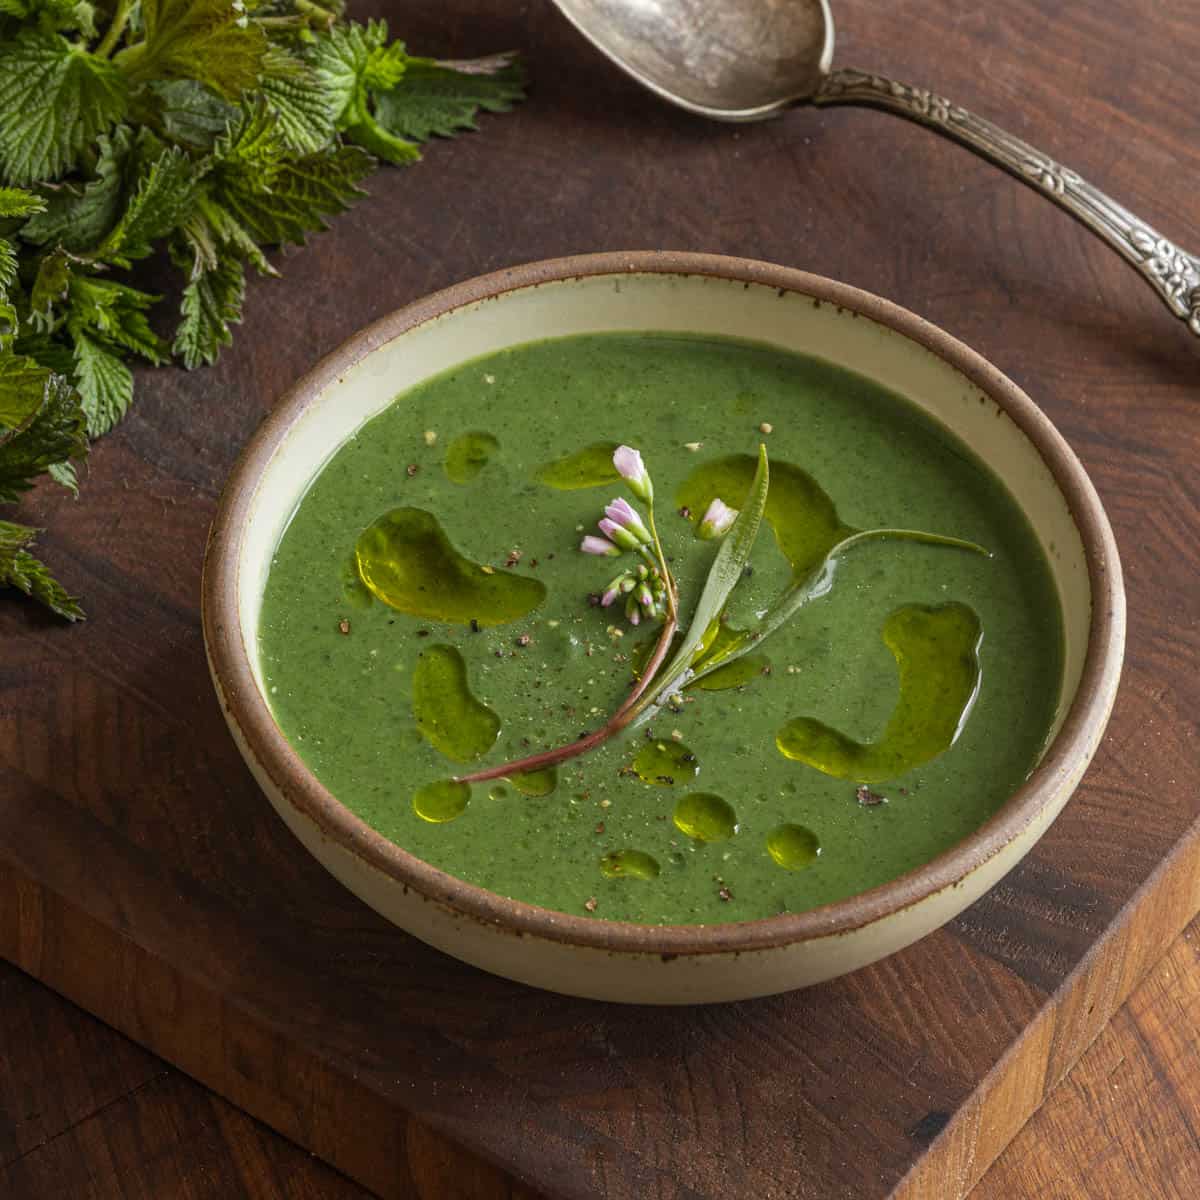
644, 587
649, 590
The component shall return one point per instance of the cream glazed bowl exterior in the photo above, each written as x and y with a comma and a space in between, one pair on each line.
611, 960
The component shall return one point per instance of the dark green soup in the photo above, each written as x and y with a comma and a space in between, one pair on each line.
888, 719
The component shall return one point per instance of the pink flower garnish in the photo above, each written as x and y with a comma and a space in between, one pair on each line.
623, 513
717, 519
598, 545
618, 534
630, 467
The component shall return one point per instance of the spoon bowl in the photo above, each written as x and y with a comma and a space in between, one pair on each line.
725, 62
754, 59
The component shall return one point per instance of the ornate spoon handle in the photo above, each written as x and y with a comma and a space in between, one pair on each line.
1173, 274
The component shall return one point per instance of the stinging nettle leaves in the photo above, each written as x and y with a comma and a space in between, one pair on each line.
16, 202
442, 99
190, 113
161, 199
211, 303
301, 195
209, 41
20, 569
55, 99
77, 217
105, 383
301, 101
54, 434
22, 389
213, 129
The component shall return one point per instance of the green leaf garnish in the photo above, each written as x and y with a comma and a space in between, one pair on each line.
724, 575
816, 584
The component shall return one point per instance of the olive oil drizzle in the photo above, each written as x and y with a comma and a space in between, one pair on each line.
937, 653
467, 455
589, 467
448, 716
800, 513
405, 558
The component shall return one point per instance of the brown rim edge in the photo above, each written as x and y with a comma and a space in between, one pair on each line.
1084, 721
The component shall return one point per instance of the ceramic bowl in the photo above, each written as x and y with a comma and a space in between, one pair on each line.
612, 960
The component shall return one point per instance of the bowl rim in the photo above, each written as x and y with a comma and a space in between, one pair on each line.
248, 710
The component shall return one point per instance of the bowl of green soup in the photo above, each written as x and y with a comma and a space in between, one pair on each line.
662, 628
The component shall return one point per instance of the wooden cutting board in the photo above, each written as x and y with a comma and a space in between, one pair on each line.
144, 876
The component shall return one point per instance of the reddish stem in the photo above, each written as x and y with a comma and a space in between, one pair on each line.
614, 724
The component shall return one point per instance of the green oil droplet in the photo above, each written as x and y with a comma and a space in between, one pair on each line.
535, 783
497, 792
665, 763
736, 674
467, 455
442, 801
793, 847
629, 864
936, 650
354, 591
589, 467
802, 517
407, 561
705, 817
449, 717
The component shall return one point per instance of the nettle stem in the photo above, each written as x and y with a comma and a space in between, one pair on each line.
116, 27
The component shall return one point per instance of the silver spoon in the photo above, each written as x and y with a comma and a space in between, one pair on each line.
753, 59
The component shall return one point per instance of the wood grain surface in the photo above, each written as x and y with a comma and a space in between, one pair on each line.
1121, 1126
142, 874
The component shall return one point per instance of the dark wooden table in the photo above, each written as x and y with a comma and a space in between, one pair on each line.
85, 1113
142, 874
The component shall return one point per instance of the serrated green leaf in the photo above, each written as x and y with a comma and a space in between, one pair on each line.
8, 266
217, 232
53, 14
443, 98
300, 102
49, 289
63, 474
211, 302
55, 433
302, 194
78, 218
207, 40
192, 114
22, 389
45, 351
385, 65
16, 202
252, 149
342, 55
114, 313
105, 383
20, 569
56, 99
163, 195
